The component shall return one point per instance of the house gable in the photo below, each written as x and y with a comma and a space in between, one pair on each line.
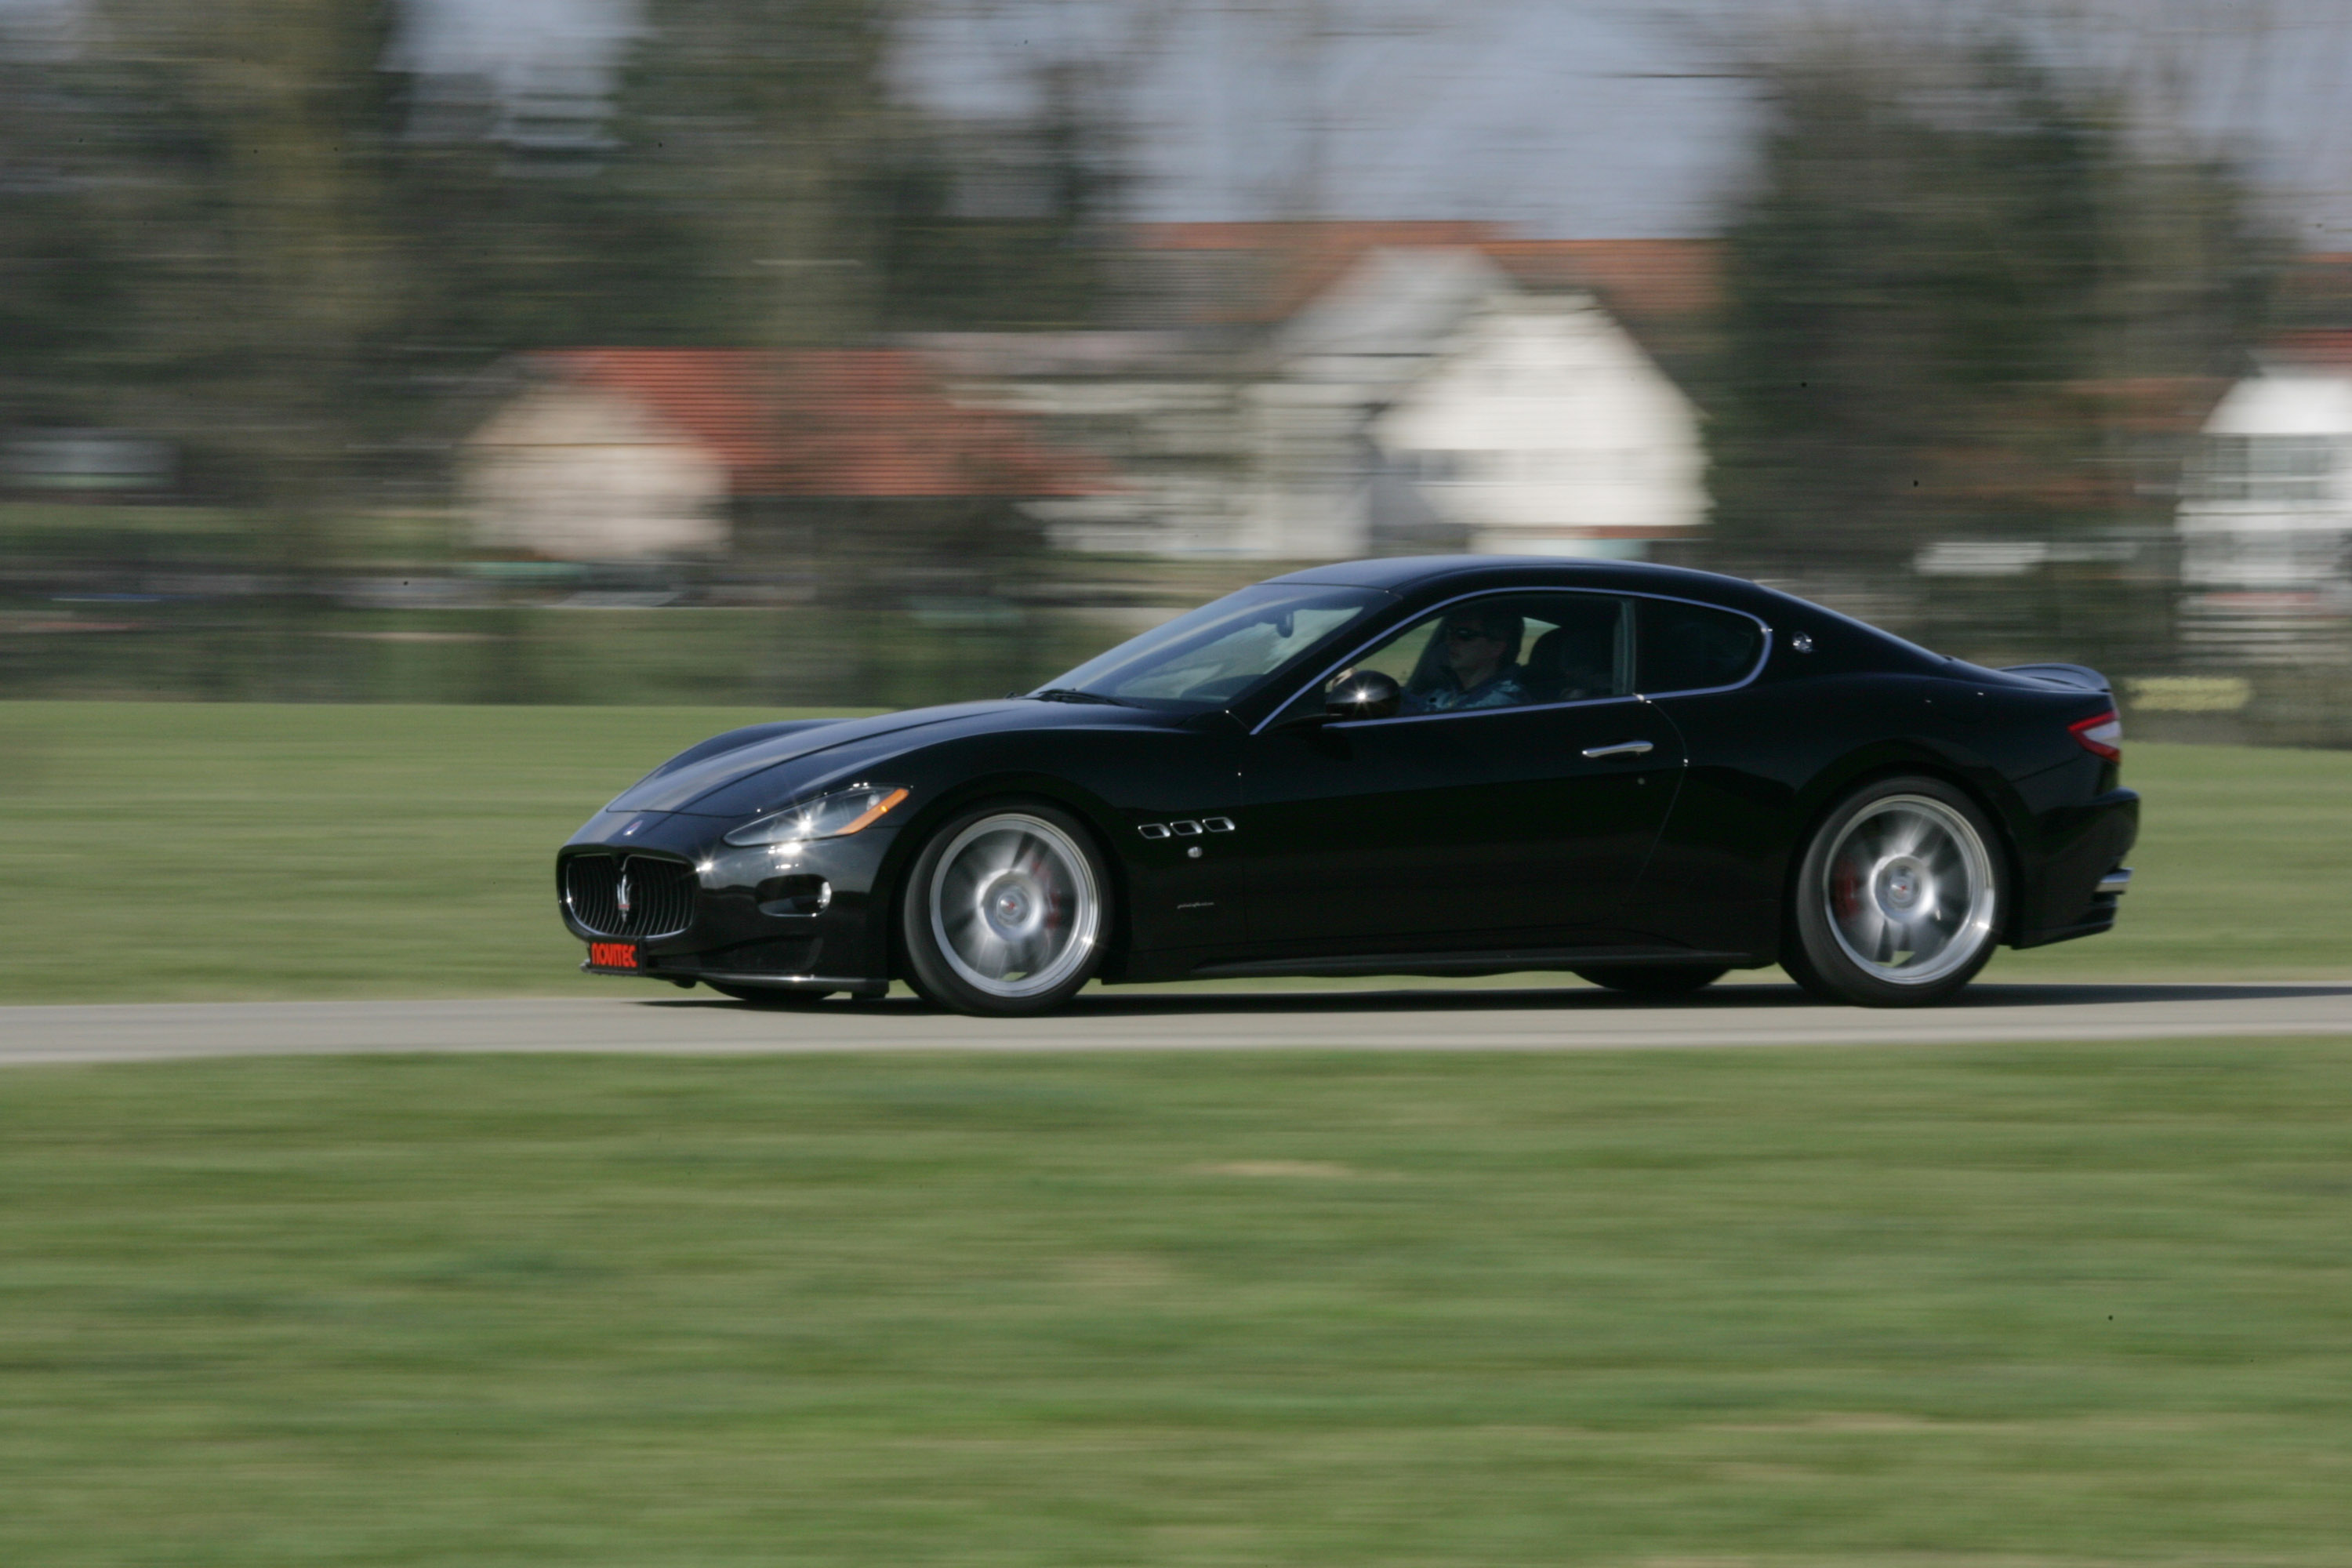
1546, 429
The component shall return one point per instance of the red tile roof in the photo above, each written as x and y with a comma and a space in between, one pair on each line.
2144, 404
832, 422
1667, 288
2332, 349
1298, 260
1312, 234
1658, 279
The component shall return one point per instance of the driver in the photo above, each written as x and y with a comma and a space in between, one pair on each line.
1471, 662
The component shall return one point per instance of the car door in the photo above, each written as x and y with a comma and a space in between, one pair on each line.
1714, 879
1526, 822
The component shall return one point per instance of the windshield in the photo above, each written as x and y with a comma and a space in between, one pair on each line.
1218, 652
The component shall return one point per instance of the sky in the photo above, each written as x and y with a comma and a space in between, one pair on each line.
512, 41
1597, 118
1565, 118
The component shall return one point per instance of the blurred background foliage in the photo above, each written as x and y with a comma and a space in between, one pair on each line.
1944, 289
233, 224
235, 229
1970, 290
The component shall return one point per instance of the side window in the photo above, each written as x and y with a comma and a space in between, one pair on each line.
1689, 647
1510, 650
1579, 647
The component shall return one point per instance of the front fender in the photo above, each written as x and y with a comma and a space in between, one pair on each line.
949, 800
1114, 780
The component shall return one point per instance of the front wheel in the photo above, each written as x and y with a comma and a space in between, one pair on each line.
1005, 910
1898, 902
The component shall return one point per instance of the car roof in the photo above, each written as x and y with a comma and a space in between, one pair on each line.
1405, 574
1422, 580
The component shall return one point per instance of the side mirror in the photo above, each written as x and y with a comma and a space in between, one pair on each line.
1365, 694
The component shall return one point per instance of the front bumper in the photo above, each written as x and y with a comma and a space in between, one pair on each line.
758, 916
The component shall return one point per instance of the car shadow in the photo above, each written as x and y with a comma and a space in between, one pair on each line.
1736, 998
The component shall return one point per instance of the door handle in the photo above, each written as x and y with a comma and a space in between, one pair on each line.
1622, 749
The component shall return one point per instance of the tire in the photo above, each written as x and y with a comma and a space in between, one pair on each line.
1654, 979
1005, 910
1901, 860
770, 995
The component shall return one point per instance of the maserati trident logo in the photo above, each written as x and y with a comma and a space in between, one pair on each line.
621, 894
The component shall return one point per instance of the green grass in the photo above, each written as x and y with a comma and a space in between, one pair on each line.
222, 651
2081, 1305
2243, 868
155, 850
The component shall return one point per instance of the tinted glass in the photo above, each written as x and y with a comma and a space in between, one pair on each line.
1214, 654
1508, 651
1689, 647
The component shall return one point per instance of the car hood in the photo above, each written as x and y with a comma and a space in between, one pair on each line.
688, 781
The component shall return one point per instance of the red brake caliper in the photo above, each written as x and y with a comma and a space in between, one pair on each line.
1845, 889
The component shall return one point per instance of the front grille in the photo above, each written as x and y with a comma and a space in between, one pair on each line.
661, 894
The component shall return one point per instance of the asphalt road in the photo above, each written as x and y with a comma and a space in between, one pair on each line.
1565, 1019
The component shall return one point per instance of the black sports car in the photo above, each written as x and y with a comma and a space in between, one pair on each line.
1456, 765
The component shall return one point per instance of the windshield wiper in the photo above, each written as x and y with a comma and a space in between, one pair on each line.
1072, 694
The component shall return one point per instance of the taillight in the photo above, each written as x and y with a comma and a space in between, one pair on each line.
2102, 735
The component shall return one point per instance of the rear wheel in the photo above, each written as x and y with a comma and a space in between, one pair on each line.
1005, 910
1652, 980
1898, 900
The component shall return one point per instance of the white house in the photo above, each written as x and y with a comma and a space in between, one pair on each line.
1544, 429
1255, 447
1162, 410
2267, 517
1314, 482
1411, 396
1425, 400
574, 471
633, 454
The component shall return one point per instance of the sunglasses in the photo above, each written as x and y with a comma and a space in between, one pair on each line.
1472, 634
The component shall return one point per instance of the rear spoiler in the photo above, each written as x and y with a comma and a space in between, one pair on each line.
2080, 677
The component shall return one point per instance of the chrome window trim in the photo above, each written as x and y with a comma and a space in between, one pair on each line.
1763, 654
1763, 658
1481, 712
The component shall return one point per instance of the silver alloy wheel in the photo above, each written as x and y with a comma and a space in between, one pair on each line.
1013, 905
1908, 890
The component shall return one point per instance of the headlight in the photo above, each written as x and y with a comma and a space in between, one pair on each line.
834, 816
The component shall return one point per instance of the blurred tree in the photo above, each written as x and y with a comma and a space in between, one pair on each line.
528, 237
231, 225
248, 228
62, 284
1006, 225
215, 257
823, 206
748, 124
1953, 285
205, 221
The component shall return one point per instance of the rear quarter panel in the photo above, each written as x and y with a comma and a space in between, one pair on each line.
1766, 762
